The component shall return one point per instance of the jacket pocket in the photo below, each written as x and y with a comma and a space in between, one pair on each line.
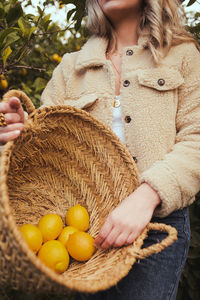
161, 79
83, 101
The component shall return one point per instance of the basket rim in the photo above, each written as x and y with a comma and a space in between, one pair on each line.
39, 114
86, 116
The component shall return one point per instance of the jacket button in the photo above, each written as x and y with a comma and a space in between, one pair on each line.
127, 119
129, 52
161, 82
135, 159
126, 83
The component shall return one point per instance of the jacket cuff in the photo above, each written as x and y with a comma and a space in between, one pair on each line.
164, 181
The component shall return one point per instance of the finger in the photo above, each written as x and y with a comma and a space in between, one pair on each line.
6, 108
12, 118
12, 127
112, 236
20, 111
13, 106
105, 230
131, 238
121, 239
15, 103
8, 136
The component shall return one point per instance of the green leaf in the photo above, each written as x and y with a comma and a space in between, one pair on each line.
14, 14
46, 18
191, 2
6, 54
25, 27
39, 10
70, 13
34, 28
69, 2
39, 84
22, 26
46, 25
30, 16
22, 53
10, 39
6, 8
4, 34
46, 21
49, 73
2, 13
25, 88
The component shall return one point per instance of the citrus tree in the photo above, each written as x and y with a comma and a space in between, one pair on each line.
32, 45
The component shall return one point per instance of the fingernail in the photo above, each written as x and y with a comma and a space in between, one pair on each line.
17, 131
13, 98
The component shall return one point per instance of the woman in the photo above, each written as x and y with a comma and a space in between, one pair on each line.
139, 74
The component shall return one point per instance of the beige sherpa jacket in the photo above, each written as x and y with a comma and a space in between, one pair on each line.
160, 108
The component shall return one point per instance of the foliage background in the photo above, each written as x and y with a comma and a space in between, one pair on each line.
28, 44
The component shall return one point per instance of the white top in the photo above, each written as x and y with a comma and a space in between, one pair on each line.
117, 123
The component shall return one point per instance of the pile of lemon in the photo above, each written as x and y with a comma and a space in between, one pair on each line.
53, 243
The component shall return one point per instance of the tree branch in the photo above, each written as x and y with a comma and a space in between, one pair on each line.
28, 67
52, 32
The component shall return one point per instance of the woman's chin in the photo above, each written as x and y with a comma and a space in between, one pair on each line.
112, 7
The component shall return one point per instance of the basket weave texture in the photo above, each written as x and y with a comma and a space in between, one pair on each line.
63, 157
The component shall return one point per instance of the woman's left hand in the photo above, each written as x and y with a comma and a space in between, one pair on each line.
125, 223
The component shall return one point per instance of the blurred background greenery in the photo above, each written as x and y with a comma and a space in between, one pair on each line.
32, 43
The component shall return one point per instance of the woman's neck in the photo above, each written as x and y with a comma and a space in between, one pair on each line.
126, 31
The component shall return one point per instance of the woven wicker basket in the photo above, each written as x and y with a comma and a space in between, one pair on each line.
63, 157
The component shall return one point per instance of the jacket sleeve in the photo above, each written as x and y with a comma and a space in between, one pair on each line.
54, 92
176, 177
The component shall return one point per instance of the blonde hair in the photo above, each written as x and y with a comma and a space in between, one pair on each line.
162, 22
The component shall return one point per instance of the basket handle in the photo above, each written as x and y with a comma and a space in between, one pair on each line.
23, 98
156, 248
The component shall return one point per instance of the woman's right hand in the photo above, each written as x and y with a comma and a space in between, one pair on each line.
14, 116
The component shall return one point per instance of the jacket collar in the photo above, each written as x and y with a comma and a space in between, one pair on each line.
93, 52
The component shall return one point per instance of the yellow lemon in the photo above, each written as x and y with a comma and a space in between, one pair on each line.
32, 236
51, 226
3, 84
80, 245
59, 59
77, 216
56, 57
63, 237
54, 255
23, 72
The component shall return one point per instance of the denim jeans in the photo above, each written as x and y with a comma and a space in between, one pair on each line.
157, 276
